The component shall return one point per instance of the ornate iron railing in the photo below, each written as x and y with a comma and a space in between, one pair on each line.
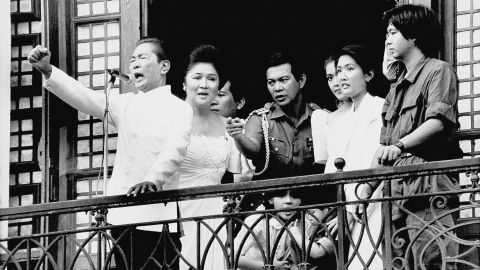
301, 239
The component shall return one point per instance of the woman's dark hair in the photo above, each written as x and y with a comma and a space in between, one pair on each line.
419, 23
330, 58
360, 54
207, 54
378, 85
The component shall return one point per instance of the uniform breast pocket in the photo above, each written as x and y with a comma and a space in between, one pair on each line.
278, 147
409, 118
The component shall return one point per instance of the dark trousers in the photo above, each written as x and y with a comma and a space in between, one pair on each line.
146, 250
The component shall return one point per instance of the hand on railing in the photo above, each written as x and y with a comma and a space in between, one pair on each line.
332, 225
143, 187
363, 191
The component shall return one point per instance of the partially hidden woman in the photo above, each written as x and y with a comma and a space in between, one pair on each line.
208, 157
353, 133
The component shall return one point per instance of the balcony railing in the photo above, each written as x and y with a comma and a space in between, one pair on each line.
95, 248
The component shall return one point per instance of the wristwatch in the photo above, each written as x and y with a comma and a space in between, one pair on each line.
400, 146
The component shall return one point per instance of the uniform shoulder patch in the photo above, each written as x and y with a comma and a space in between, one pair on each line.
260, 111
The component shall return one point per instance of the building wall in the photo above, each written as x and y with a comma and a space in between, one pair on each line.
4, 110
26, 143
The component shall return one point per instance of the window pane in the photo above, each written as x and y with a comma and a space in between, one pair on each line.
476, 53
464, 89
463, 5
98, 8
463, 55
26, 155
98, 79
98, 47
27, 140
113, 61
26, 66
27, 124
476, 36
83, 49
463, 21
83, 146
83, 130
476, 104
14, 66
83, 65
465, 122
24, 178
83, 162
27, 199
14, 141
476, 70
98, 31
99, 63
97, 128
37, 177
113, 45
37, 102
476, 19
25, 5
476, 87
466, 146
463, 72
113, 29
83, 9
26, 80
476, 121
13, 156
23, 28
83, 32
113, 6
14, 126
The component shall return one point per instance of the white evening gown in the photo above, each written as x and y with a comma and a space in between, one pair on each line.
206, 161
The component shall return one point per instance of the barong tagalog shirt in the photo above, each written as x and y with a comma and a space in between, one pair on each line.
153, 134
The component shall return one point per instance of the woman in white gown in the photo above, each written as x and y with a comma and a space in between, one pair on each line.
353, 133
208, 156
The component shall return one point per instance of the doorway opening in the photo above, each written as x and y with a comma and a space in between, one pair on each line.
249, 31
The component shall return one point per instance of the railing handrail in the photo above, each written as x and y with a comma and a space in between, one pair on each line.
384, 173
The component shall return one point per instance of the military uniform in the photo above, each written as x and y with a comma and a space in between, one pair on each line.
291, 146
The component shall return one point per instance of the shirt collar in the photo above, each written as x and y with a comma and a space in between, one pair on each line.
277, 111
161, 90
412, 76
274, 223
365, 100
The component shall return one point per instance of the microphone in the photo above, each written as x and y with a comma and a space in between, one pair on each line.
127, 79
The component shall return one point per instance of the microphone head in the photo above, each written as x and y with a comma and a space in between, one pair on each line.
127, 79
113, 72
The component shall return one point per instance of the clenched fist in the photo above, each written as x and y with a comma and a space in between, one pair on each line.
39, 57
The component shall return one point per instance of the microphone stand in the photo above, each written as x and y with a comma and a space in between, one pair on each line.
105, 135
100, 215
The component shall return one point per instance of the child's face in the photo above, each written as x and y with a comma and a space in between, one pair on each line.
283, 202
